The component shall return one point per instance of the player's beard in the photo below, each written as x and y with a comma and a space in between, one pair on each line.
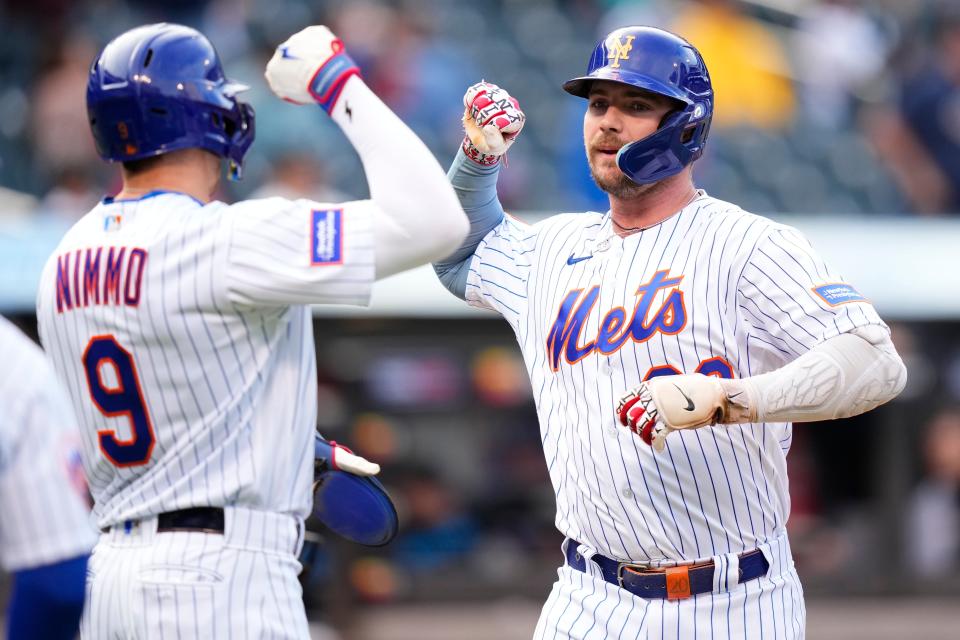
613, 182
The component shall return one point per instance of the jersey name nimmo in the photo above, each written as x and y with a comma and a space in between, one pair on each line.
99, 275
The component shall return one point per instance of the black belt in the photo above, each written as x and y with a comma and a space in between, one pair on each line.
205, 519
668, 582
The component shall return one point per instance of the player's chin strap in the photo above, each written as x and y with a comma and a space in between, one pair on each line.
843, 376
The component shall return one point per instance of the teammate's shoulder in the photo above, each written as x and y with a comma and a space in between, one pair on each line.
20, 353
11, 335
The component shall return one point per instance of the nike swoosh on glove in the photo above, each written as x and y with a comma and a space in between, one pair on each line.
310, 66
664, 404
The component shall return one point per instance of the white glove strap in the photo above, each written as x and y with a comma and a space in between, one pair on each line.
841, 377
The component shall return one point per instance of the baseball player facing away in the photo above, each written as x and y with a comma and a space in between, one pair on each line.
180, 326
705, 329
45, 533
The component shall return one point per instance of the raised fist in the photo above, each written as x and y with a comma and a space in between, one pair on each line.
311, 66
664, 404
492, 120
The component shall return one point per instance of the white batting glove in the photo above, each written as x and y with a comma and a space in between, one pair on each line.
665, 404
311, 66
492, 120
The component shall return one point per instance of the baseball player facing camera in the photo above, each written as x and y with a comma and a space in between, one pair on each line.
180, 326
703, 329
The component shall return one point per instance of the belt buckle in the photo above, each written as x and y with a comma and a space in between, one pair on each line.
677, 579
620, 566
627, 565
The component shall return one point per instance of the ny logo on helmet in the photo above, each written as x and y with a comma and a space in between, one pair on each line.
620, 51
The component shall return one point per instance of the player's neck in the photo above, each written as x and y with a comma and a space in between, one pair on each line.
194, 174
654, 205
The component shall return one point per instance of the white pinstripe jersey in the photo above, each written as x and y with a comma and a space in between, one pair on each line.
712, 289
42, 490
182, 334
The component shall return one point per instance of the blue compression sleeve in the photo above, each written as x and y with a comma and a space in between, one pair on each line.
476, 188
47, 601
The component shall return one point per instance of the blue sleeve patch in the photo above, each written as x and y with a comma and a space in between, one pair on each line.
326, 236
838, 293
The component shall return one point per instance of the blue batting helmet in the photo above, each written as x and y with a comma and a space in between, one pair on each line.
160, 88
660, 62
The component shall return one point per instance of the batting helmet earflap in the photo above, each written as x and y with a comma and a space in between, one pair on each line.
660, 62
159, 88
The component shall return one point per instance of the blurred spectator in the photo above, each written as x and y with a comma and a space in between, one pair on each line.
14, 204
747, 64
421, 56
823, 545
839, 49
435, 530
619, 13
923, 370
933, 520
422, 76
42, 18
73, 194
183, 11
225, 22
368, 27
298, 175
60, 132
499, 378
921, 142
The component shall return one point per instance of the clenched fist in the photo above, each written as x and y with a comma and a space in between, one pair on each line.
492, 120
311, 66
661, 405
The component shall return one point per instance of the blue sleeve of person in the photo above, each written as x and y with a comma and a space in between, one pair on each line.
476, 188
47, 601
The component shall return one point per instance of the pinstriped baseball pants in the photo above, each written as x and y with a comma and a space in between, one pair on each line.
243, 584
586, 607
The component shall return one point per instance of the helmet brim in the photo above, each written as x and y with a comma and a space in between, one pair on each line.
231, 88
580, 87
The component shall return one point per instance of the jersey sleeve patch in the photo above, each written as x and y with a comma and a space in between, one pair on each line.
838, 293
326, 237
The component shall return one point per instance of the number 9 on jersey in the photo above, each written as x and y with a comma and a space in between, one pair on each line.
118, 395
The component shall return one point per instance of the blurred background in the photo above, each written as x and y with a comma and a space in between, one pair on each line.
841, 117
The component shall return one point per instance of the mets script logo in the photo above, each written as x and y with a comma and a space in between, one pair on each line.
668, 318
619, 50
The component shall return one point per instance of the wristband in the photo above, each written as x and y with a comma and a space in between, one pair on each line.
328, 82
481, 158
